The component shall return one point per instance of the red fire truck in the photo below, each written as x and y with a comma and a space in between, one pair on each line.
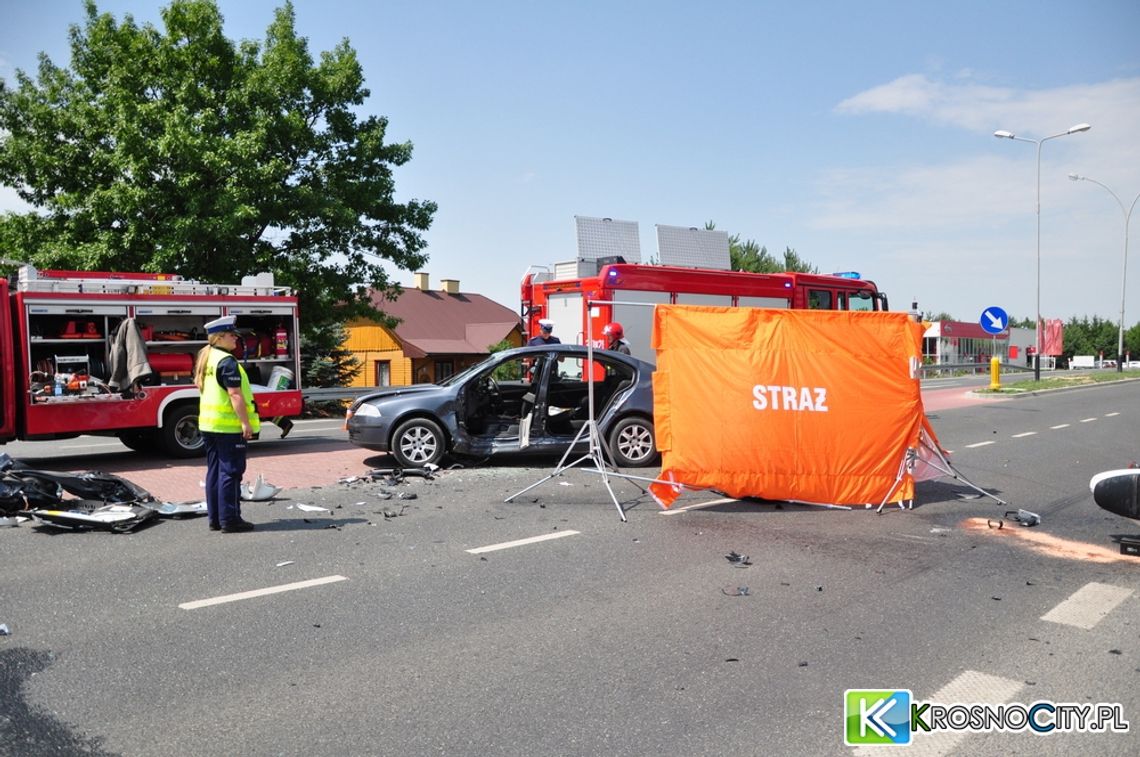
64, 331
561, 296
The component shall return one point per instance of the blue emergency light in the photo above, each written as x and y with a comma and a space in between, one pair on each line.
847, 274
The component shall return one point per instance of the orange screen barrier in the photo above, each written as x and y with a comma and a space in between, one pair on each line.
807, 405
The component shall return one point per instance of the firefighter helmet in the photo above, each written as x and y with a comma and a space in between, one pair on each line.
614, 329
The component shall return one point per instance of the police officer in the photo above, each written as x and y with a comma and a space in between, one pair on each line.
228, 420
545, 335
617, 342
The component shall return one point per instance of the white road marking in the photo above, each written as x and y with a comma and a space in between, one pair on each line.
979, 444
1109, 415
1026, 433
968, 688
521, 542
697, 506
1088, 605
1087, 420
260, 592
912, 537
1063, 425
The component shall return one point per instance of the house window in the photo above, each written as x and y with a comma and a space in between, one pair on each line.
443, 369
382, 376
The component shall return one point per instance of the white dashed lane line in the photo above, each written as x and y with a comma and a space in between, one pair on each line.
969, 686
521, 542
260, 592
1088, 605
1024, 434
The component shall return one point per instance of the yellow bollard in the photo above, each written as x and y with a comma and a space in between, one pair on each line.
995, 373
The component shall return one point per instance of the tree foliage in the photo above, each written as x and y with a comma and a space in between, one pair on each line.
177, 150
1083, 336
750, 256
326, 363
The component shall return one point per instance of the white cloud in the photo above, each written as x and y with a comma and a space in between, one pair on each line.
957, 229
1113, 106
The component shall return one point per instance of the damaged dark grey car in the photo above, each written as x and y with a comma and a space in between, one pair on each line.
525, 400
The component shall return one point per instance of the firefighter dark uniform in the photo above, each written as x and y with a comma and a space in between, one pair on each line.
222, 429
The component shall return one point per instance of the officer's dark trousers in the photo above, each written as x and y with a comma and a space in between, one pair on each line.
225, 465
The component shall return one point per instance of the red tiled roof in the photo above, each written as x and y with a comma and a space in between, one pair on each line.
438, 323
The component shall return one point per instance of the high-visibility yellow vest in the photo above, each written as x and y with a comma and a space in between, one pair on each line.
215, 413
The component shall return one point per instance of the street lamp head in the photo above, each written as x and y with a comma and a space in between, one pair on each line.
1003, 134
1078, 127
1075, 177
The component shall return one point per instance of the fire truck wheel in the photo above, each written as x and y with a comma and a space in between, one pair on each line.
632, 443
140, 441
418, 442
179, 434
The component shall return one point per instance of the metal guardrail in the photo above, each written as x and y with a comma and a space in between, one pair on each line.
984, 368
333, 393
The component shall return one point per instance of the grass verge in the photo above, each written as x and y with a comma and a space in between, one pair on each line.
1079, 378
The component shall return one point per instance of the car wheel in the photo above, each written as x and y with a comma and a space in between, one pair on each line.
418, 442
632, 443
179, 435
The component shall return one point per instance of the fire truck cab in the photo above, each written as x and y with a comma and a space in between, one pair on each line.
581, 297
61, 333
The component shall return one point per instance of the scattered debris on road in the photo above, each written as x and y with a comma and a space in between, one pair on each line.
259, 491
738, 560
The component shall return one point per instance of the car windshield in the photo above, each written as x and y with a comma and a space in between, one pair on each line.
458, 377
505, 372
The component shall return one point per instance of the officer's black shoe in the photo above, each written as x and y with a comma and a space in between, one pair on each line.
215, 527
237, 527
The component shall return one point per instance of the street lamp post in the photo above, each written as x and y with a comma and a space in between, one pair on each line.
1124, 265
1039, 142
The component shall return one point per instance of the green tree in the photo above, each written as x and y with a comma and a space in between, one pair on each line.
326, 363
1085, 337
750, 256
1132, 342
176, 150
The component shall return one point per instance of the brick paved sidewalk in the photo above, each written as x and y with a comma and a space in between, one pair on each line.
181, 480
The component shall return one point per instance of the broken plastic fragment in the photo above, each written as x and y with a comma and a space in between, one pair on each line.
283, 564
1024, 517
312, 508
738, 560
259, 490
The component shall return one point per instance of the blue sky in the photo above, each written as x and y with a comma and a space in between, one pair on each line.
858, 133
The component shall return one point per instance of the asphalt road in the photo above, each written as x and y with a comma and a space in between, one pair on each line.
605, 638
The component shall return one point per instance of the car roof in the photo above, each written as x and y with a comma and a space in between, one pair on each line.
579, 350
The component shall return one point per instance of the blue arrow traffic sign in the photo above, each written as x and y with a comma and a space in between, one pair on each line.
994, 320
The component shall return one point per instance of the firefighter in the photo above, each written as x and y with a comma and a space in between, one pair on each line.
545, 335
617, 342
227, 420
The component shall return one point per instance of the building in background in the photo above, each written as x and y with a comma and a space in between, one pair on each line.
964, 343
440, 333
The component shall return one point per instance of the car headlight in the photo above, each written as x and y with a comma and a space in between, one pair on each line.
367, 411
